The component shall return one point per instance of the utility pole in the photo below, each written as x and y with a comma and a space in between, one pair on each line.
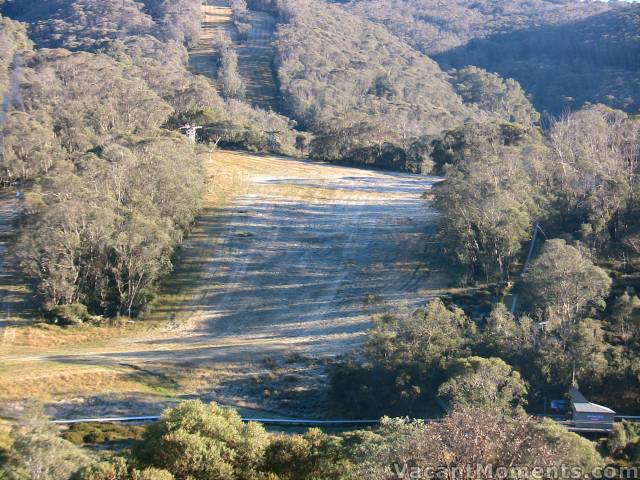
190, 131
536, 227
273, 138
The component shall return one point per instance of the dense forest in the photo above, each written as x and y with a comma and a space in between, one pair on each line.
564, 53
436, 27
357, 87
370, 98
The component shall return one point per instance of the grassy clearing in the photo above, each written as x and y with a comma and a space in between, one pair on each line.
181, 346
231, 174
15, 296
42, 338
51, 380
215, 19
226, 180
255, 53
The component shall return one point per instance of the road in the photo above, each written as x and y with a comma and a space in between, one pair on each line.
289, 273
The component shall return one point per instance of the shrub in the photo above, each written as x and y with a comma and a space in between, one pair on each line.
70, 314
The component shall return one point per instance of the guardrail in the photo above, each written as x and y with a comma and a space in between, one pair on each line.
265, 421
580, 426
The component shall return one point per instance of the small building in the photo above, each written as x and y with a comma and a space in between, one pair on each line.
590, 415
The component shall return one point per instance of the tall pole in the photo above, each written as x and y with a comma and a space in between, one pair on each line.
534, 238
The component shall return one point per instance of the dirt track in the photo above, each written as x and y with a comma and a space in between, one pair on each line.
295, 263
255, 61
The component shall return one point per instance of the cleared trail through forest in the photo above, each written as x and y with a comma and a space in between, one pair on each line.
13, 295
255, 53
255, 61
296, 262
216, 19
309, 246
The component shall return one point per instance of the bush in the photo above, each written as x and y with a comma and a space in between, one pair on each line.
119, 469
96, 433
70, 314
313, 455
201, 441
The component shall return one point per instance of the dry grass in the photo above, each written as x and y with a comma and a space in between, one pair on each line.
53, 380
40, 338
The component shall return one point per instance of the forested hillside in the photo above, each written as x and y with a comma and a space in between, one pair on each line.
87, 130
368, 97
86, 23
472, 298
437, 27
13, 41
563, 53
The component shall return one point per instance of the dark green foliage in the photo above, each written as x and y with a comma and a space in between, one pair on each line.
483, 382
564, 284
367, 390
425, 337
70, 314
201, 441
594, 60
119, 468
407, 356
311, 456
476, 435
490, 197
491, 93
98, 433
197, 441
623, 444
